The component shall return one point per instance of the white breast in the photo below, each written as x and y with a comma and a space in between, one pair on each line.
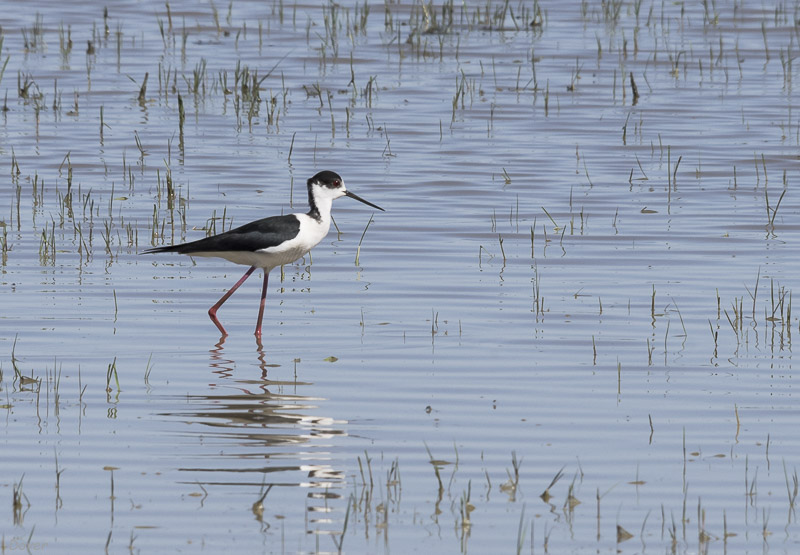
311, 233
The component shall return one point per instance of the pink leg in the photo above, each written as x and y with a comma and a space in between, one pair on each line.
212, 312
263, 300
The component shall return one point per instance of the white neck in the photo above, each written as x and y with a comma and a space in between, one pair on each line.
320, 200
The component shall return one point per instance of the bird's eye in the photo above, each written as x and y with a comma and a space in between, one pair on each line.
336, 182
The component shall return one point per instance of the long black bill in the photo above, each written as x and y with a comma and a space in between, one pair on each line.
359, 199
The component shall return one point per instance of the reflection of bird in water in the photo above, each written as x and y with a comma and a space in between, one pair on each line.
223, 367
273, 241
259, 433
257, 425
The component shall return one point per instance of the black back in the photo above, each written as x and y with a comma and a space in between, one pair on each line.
260, 234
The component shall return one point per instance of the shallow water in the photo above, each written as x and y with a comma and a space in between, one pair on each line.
566, 286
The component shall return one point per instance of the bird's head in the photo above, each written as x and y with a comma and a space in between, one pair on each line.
329, 185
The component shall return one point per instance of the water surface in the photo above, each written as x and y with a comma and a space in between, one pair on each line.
570, 331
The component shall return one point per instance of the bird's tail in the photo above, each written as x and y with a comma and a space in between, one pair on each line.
168, 248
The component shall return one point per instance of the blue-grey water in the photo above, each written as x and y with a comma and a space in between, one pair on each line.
571, 331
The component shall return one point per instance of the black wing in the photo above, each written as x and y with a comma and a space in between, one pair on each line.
260, 234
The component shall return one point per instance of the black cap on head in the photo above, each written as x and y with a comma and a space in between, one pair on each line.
327, 178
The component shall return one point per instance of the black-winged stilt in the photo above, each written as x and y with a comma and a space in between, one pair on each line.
272, 241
